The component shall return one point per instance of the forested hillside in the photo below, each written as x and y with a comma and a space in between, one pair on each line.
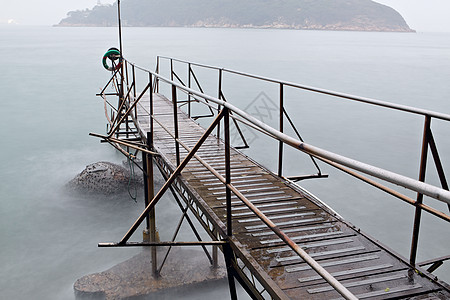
296, 14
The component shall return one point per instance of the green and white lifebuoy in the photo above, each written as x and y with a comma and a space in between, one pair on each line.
113, 54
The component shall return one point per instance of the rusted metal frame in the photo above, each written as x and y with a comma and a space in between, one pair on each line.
177, 229
256, 271
156, 78
120, 27
151, 217
128, 155
192, 63
376, 102
228, 253
366, 100
205, 225
122, 105
171, 69
129, 110
201, 90
134, 89
125, 65
228, 170
189, 200
196, 81
238, 128
191, 224
150, 114
146, 191
281, 129
248, 284
297, 249
184, 215
109, 82
389, 191
210, 107
218, 97
438, 163
178, 78
127, 126
319, 172
175, 122
171, 179
118, 141
237, 119
409, 183
377, 172
189, 86
252, 291
277, 231
422, 173
109, 103
163, 244
435, 263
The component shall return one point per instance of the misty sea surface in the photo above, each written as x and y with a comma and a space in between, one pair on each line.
50, 75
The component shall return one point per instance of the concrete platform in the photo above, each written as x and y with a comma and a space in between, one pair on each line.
184, 268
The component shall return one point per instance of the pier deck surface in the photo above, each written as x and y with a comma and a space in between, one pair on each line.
366, 267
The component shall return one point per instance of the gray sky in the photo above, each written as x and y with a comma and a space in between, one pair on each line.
421, 15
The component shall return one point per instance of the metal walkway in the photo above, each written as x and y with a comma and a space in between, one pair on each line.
275, 236
367, 268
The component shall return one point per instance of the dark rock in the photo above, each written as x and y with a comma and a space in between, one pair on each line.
105, 178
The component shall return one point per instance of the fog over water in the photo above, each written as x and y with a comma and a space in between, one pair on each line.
423, 16
49, 79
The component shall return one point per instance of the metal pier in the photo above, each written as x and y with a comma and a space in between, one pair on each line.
278, 241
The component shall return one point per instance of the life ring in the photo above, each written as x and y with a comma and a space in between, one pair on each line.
113, 54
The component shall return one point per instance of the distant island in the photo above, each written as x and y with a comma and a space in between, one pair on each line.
351, 15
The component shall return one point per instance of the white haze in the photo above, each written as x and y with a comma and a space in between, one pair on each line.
421, 15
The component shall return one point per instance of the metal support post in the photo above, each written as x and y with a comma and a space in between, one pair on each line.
228, 252
149, 194
422, 172
280, 145
189, 86
219, 97
175, 123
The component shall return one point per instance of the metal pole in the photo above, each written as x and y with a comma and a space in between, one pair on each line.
228, 170
189, 86
157, 72
171, 70
121, 51
422, 172
175, 123
228, 252
219, 96
280, 145
151, 218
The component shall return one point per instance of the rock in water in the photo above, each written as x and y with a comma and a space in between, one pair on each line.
105, 178
133, 278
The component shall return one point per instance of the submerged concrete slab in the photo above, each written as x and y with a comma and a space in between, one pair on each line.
184, 268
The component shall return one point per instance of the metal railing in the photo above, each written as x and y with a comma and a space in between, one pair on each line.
428, 142
227, 112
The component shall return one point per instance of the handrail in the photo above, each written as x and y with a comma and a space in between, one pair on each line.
404, 181
328, 157
372, 101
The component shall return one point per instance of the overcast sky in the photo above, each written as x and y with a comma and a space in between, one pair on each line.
421, 15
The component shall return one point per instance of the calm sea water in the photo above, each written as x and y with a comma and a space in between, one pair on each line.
48, 83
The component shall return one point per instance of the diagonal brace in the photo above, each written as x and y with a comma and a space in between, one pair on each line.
171, 179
